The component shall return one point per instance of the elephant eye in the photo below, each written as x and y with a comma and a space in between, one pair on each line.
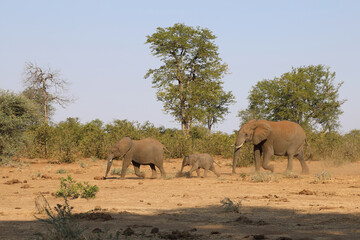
246, 134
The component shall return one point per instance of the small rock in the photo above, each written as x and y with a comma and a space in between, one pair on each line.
307, 192
46, 176
41, 203
25, 186
99, 178
13, 181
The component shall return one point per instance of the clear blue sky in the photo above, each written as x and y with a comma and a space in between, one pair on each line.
99, 47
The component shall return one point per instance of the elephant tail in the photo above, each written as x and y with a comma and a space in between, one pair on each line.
309, 147
217, 164
168, 152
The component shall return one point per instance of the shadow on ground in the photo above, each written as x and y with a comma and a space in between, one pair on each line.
212, 222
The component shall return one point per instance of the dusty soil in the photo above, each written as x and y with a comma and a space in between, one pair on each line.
322, 205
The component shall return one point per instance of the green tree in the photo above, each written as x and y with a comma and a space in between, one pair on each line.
214, 105
192, 69
92, 139
16, 114
307, 95
67, 136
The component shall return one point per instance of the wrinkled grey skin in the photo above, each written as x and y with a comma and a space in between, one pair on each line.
282, 138
197, 161
147, 151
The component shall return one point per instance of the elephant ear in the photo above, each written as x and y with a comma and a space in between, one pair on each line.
124, 145
261, 132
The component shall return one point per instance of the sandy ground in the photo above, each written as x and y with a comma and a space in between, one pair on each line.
322, 205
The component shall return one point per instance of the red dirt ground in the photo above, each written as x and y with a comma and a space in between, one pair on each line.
322, 205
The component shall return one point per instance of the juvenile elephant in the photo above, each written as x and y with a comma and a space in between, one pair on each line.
147, 151
197, 161
282, 138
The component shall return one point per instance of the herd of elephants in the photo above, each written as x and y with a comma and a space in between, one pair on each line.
283, 138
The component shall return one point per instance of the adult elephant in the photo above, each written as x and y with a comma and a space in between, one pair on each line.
147, 151
283, 138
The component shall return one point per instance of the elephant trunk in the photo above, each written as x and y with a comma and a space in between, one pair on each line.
236, 156
108, 166
182, 166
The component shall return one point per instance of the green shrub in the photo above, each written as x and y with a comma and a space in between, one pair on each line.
92, 139
176, 142
67, 136
87, 190
16, 114
70, 189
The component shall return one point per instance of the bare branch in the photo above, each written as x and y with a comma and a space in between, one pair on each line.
49, 83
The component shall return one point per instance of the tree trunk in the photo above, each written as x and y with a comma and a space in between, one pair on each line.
45, 115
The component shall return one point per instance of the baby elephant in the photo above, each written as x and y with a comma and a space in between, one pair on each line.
197, 161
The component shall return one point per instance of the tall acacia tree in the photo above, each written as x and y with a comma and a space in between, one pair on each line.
307, 95
192, 69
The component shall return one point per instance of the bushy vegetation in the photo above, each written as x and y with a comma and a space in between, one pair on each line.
17, 113
69, 188
70, 140
23, 135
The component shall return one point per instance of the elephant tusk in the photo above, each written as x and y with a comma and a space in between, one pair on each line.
237, 147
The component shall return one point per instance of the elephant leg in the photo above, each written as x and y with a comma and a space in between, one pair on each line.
125, 165
289, 167
162, 171
198, 172
266, 160
193, 168
137, 170
257, 158
300, 156
205, 172
153, 170
212, 168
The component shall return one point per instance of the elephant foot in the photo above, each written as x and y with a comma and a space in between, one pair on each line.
305, 172
141, 175
270, 168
